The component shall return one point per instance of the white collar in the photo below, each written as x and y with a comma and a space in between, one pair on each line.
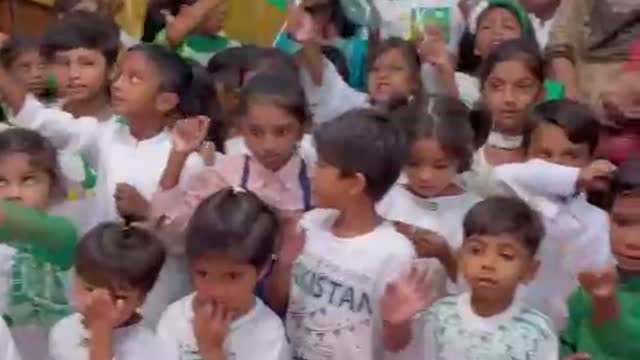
502, 141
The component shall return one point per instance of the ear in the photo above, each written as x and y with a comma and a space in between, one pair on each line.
265, 270
358, 184
531, 271
166, 102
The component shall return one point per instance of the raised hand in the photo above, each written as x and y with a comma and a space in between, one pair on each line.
130, 203
596, 175
599, 284
188, 134
432, 48
301, 26
406, 297
103, 313
210, 325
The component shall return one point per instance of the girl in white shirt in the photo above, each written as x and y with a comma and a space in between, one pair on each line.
430, 207
230, 247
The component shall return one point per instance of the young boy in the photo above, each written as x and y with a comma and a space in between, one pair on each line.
560, 149
196, 31
116, 266
349, 253
502, 236
230, 245
603, 319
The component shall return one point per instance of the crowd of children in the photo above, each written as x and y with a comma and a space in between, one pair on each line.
414, 191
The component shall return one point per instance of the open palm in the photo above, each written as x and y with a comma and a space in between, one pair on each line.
406, 297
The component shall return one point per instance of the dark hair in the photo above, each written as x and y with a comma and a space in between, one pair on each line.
206, 103
518, 49
16, 46
114, 255
82, 29
279, 89
344, 26
42, 153
367, 142
407, 49
444, 119
500, 215
338, 60
627, 177
577, 121
176, 76
236, 224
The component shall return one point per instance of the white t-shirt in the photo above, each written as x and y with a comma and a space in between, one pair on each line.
69, 340
450, 330
259, 334
396, 18
336, 287
8, 349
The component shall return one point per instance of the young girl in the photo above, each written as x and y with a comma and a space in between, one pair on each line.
36, 249
230, 245
430, 206
511, 78
273, 116
115, 268
152, 89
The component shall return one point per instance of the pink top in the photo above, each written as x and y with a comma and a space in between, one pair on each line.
281, 189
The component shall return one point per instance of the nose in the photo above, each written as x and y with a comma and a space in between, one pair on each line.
13, 193
425, 174
509, 95
74, 71
488, 262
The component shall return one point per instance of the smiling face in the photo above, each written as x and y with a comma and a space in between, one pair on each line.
625, 230
495, 27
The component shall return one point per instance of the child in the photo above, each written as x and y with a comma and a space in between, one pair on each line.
273, 112
502, 236
9, 351
348, 253
196, 31
511, 78
36, 249
85, 46
560, 150
230, 246
20, 55
115, 268
152, 89
430, 206
603, 293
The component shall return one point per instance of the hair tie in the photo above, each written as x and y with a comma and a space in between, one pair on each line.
238, 189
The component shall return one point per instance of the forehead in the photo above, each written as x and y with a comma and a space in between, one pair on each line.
498, 240
15, 164
429, 147
627, 204
511, 70
137, 61
266, 114
497, 14
79, 52
218, 262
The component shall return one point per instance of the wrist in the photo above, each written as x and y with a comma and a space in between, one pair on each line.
212, 352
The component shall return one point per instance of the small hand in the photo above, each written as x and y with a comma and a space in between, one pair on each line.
428, 244
210, 325
433, 49
103, 313
406, 297
599, 284
130, 203
301, 26
596, 175
291, 237
188, 134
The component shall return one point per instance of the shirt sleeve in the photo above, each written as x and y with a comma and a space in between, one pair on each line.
79, 135
334, 97
8, 350
540, 177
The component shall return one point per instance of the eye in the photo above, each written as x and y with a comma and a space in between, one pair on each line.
397, 68
507, 256
201, 274
135, 79
232, 276
29, 180
440, 166
282, 132
475, 249
4, 182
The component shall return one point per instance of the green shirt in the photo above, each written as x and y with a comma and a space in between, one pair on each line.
198, 47
616, 339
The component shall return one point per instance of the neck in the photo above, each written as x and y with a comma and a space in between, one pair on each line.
142, 129
451, 190
357, 219
97, 106
489, 306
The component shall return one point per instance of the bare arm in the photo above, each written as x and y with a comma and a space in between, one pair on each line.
188, 20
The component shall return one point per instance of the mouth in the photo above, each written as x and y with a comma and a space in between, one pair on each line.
486, 281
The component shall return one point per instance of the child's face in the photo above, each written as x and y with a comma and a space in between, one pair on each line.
136, 87
132, 298
28, 70
495, 265
625, 231
219, 280
549, 142
510, 91
271, 133
24, 183
430, 170
86, 73
496, 27
390, 76
330, 189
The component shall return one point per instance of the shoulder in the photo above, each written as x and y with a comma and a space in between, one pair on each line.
444, 304
535, 321
177, 313
265, 319
394, 242
66, 332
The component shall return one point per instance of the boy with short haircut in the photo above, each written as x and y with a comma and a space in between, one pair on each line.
196, 31
349, 253
603, 317
561, 167
502, 236
116, 267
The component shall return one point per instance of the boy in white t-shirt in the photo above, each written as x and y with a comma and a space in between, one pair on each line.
116, 267
348, 253
502, 236
8, 350
229, 246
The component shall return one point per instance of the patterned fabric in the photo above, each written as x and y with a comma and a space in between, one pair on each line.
198, 47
